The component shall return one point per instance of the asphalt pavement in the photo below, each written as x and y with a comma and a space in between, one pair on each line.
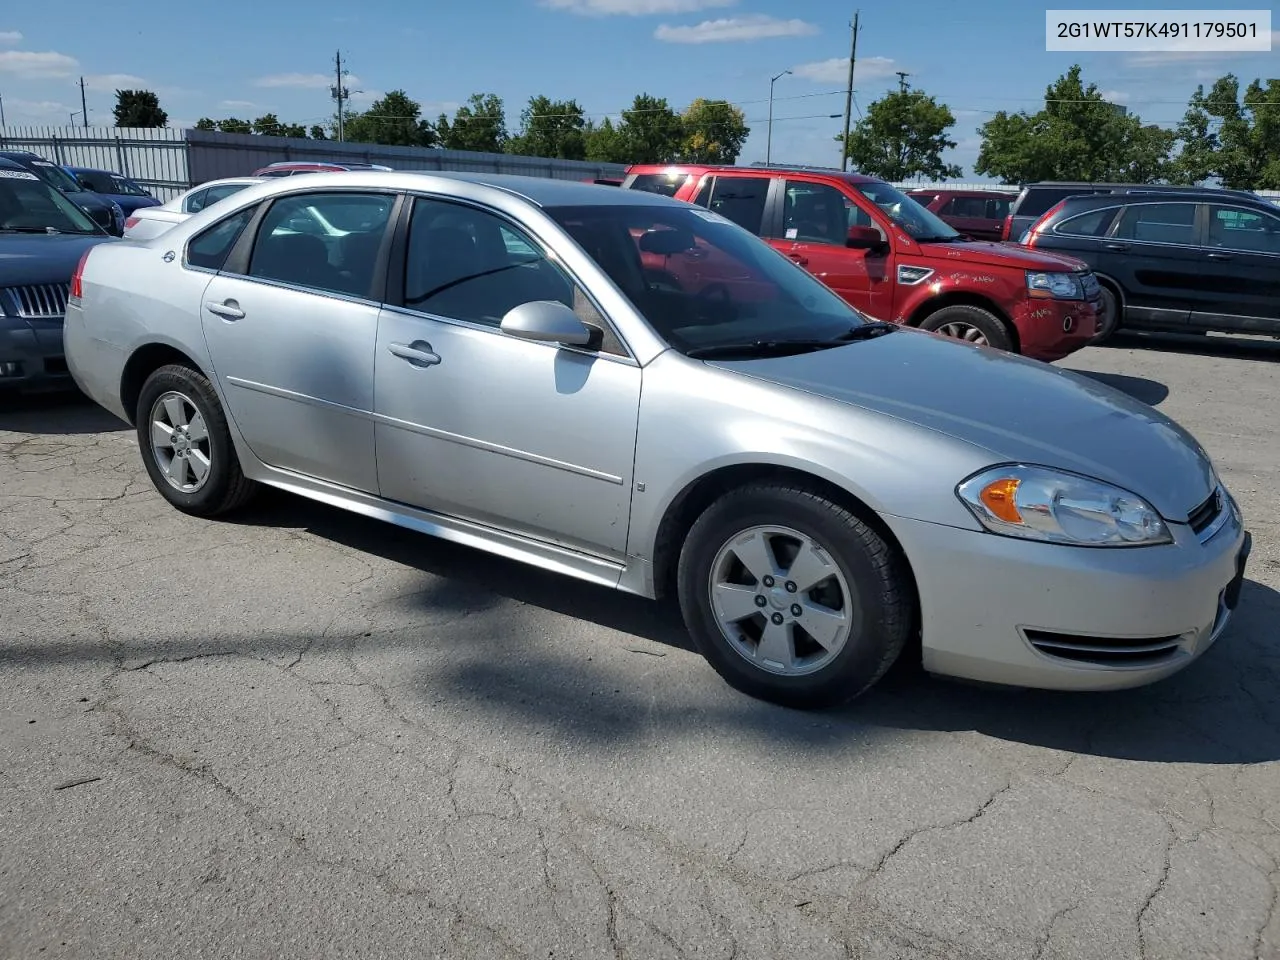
301, 733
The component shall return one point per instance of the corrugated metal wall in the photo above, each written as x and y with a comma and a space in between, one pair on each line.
156, 158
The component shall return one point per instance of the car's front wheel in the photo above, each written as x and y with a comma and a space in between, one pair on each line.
793, 598
1108, 317
186, 445
964, 321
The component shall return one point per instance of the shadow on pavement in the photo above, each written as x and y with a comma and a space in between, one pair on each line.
64, 413
1210, 345
1221, 709
1150, 392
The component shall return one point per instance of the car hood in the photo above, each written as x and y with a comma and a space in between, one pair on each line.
992, 254
27, 258
1019, 410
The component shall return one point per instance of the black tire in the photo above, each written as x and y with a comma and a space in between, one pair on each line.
881, 606
226, 486
992, 328
1109, 322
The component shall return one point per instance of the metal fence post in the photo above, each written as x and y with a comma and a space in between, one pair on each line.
122, 158
57, 150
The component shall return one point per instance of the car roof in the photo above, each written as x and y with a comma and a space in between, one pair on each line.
110, 173
761, 171
1164, 196
542, 191
6, 164
960, 193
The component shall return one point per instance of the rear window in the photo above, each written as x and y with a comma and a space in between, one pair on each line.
667, 184
924, 199
1040, 199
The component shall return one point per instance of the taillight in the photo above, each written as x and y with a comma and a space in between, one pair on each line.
1007, 228
131, 222
77, 287
1034, 233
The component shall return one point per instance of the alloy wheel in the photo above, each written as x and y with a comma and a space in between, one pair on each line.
180, 442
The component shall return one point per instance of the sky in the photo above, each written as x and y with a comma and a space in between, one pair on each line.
244, 59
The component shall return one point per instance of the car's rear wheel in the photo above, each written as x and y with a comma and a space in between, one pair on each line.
1109, 319
186, 445
963, 321
791, 597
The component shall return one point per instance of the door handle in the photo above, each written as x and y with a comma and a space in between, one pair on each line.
799, 258
1219, 256
1115, 246
227, 309
418, 353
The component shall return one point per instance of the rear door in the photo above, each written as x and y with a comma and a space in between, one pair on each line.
1153, 249
1240, 267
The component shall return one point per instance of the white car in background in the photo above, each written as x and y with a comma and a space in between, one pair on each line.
147, 223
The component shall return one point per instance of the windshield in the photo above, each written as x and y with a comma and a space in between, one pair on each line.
54, 174
919, 223
29, 204
702, 281
111, 183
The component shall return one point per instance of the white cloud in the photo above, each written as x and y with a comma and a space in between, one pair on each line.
111, 82
836, 70
10, 38
634, 8
35, 109
433, 108
733, 29
303, 81
1114, 96
237, 105
365, 97
33, 65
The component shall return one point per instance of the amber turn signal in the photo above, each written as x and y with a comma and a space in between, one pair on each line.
1001, 498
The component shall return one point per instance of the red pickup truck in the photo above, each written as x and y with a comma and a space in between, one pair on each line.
892, 259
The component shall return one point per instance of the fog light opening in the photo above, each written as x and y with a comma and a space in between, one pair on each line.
10, 368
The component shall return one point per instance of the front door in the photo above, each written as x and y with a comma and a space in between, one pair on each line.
292, 336
1154, 252
529, 437
813, 230
1241, 266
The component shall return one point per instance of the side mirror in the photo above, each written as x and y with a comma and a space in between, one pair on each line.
548, 321
865, 238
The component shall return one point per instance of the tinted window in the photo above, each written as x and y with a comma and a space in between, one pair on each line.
998, 207
126, 187
98, 182
1173, 223
55, 175
468, 264
223, 191
1091, 224
209, 248
1235, 228
920, 223
924, 199
324, 241
815, 213
740, 199
700, 280
1040, 199
28, 203
967, 207
196, 201
667, 184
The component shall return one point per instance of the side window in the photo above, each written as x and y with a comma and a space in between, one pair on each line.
221, 193
998, 208
667, 184
1172, 223
464, 263
740, 199
924, 199
1234, 228
323, 241
1091, 224
703, 197
197, 201
816, 213
210, 247
967, 207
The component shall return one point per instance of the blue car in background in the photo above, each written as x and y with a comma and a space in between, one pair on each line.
43, 237
114, 186
106, 212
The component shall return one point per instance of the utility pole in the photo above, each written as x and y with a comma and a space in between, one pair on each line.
1, 112
848, 96
84, 109
339, 92
768, 143
902, 81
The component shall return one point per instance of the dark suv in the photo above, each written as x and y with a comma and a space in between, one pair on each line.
1035, 198
1188, 262
105, 212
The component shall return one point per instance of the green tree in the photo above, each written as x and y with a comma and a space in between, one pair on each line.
479, 124
652, 130
606, 143
206, 123
139, 108
903, 135
267, 125
1076, 136
297, 131
551, 128
1235, 139
395, 119
714, 132
318, 132
232, 125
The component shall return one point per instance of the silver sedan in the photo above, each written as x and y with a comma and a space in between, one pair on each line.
146, 223
639, 393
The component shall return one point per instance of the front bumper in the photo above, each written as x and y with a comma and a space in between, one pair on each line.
31, 355
1029, 614
1052, 329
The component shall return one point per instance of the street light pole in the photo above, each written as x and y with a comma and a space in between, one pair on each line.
768, 143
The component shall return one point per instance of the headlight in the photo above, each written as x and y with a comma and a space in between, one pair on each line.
1059, 286
1037, 503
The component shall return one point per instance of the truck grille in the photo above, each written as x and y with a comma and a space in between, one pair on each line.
41, 301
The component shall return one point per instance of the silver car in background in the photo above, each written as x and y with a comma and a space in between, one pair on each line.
146, 223
639, 393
